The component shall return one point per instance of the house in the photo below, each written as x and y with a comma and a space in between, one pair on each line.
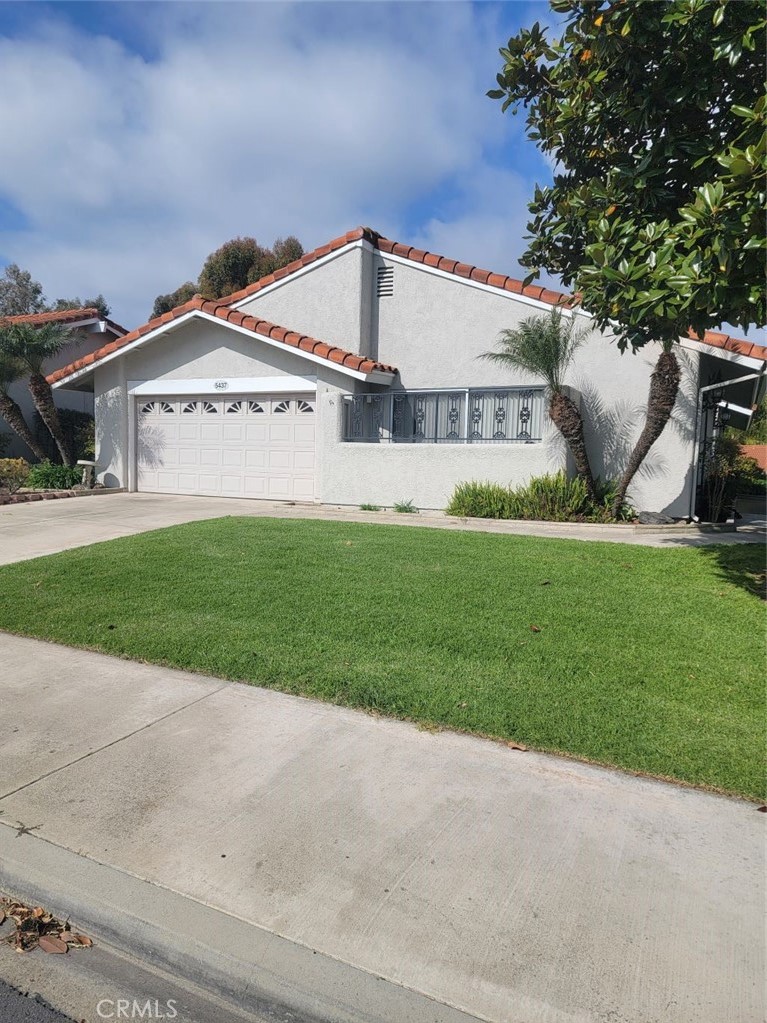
353, 375
91, 333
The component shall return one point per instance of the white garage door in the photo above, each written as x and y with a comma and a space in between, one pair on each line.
259, 447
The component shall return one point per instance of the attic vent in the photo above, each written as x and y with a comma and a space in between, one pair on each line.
385, 281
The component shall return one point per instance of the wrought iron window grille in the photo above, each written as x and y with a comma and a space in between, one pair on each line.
499, 415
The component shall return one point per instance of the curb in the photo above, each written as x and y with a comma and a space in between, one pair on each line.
254, 969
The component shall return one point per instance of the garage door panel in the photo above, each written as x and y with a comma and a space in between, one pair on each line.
255, 486
304, 433
211, 432
280, 488
232, 457
231, 486
238, 447
303, 489
280, 460
281, 433
233, 431
257, 433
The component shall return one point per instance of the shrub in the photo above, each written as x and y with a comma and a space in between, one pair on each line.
481, 501
405, 508
13, 474
750, 478
370, 507
551, 498
79, 433
47, 476
720, 479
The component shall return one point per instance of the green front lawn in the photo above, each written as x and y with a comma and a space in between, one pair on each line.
648, 659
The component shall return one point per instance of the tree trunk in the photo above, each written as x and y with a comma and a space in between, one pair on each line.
40, 390
567, 419
664, 387
14, 417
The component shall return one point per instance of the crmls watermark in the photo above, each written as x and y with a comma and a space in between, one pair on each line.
124, 1008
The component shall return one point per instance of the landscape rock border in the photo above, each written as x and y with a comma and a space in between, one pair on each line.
56, 495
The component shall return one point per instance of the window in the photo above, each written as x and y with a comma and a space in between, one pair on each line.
458, 416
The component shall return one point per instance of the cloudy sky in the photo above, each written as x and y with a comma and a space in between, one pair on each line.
137, 137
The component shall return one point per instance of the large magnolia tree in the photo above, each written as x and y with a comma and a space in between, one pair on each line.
653, 112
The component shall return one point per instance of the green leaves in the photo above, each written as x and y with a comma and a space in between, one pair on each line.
655, 112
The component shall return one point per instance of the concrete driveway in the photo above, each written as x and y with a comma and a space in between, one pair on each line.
45, 527
514, 886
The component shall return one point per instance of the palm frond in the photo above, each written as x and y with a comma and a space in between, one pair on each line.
33, 346
543, 346
11, 370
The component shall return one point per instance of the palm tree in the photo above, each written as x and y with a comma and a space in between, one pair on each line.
545, 346
664, 387
33, 346
12, 370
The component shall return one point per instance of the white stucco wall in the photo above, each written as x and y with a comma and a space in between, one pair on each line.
435, 328
331, 302
200, 349
111, 403
426, 474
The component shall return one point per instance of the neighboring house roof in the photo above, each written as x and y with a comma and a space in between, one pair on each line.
222, 311
71, 317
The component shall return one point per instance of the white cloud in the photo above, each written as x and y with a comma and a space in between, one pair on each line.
486, 224
257, 119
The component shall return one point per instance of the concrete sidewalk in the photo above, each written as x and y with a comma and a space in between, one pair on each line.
516, 887
45, 527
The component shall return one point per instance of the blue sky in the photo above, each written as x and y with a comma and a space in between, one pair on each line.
141, 136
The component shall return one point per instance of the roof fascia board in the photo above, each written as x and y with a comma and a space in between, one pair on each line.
213, 386
376, 376
721, 353
455, 279
322, 261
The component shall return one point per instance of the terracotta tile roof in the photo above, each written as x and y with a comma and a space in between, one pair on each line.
63, 316
223, 311
59, 316
430, 259
221, 307
738, 345
468, 272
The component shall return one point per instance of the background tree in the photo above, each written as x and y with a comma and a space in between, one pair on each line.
284, 251
19, 294
235, 265
99, 302
32, 347
11, 370
164, 303
654, 112
544, 346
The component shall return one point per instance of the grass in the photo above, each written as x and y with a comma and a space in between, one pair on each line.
647, 659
